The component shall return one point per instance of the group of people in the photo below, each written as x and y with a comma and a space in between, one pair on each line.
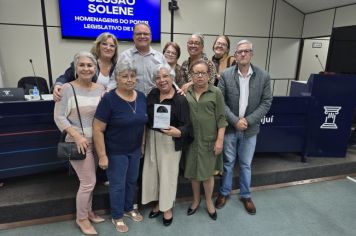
215, 107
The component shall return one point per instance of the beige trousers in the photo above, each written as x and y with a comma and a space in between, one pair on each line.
160, 170
85, 170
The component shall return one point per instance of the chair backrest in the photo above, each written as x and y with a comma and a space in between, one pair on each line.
29, 82
11, 94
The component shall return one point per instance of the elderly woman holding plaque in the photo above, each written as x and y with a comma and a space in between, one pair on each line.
168, 129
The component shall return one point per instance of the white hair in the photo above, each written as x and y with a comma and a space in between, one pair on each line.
124, 65
244, 41
158, 68
80, 54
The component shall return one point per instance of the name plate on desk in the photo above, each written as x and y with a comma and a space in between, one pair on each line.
12, 94
45, 97
161, 116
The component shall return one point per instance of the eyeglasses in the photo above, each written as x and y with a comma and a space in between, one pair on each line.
239, 52
192, 43
200, 74
142, 34
127, 76
170, 53
220, 44
112, 46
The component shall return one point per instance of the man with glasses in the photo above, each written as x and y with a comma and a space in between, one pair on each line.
247, 93
145, 58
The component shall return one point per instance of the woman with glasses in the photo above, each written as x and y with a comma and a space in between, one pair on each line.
118, 132
195, 47
105, 52
221, 58
203, 157
164, 145
171, 52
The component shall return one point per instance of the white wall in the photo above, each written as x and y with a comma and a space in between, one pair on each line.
274, 27
21, 39
285, 50
345, 16
318, 24
309, 63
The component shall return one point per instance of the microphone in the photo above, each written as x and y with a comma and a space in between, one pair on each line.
321, 65
36, 80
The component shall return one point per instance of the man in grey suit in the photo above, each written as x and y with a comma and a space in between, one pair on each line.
247, 92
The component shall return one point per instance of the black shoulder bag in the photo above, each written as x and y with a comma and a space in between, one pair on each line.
68, 150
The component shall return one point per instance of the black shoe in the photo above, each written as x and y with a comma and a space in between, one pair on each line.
192, 211
154, 214
167, 222
213, 216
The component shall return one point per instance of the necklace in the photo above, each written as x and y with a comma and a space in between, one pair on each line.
133, 108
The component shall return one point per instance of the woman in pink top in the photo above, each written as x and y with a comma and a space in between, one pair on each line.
66, 118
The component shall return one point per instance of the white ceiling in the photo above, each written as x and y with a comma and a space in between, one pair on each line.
307, 6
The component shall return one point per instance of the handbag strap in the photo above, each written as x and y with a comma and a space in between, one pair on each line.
76, 104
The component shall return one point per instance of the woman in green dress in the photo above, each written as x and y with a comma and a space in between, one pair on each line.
203, 157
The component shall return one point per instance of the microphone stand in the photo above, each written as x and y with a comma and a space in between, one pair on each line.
321, 65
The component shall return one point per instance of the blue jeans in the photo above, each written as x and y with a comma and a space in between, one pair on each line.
122, 173
236, 144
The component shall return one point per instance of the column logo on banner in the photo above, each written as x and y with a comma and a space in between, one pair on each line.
330, 117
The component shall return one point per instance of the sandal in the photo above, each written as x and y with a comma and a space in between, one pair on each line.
134, 215
120, 225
